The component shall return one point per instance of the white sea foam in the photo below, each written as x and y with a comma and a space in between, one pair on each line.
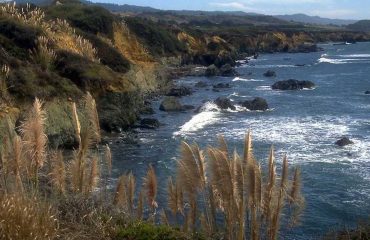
340, 60
276, 66
264, 88
246, 80
306, 139
356, 55
235, 94
209, 114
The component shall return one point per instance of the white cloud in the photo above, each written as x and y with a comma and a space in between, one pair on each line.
231, 5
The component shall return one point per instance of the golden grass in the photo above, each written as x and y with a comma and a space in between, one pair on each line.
26, 218
252, 205
43, 54
214, 191
4, 74
57, 33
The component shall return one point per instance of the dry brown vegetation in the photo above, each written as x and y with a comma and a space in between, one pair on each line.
4, 73
58, 34
45, 195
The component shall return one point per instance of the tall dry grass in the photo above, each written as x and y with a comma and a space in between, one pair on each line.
4, 74
57, 32
43, 55
215, 191
225, 185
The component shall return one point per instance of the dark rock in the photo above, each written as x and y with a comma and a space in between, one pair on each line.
292, 84
257, 104
201, 84
343, 142
227, 70
188, 107
118, 111
300, 65
270, 73
66, 140
307, 48
147, 110
221, 85
224, 103
149, 123
367, 92
179, 91
212, 71
171, 104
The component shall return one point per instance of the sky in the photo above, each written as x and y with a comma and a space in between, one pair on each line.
343, 9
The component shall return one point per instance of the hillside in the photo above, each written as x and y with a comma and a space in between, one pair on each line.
363, 25
303, 18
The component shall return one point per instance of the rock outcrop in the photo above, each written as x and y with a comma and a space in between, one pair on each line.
179, 91
212, 71
227, 71
343, 142
257, 104
224, 103
201, 84
171, 104
270, 73
222, 85
149, 123
292, 84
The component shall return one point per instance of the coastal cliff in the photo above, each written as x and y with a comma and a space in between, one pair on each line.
59, 52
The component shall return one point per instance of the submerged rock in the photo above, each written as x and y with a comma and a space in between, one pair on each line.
222, 85
367, 92
212, 71
257, 104
188, 107
270, 73
227, 70
224, 103
179, 91
171, 104
343, 142
201, 84
292, 84
149, 123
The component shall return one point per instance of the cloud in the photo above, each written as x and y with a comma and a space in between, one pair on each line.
230, 5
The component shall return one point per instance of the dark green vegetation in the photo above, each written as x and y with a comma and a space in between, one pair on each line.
363, 25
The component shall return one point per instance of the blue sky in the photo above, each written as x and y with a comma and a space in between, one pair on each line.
345, 9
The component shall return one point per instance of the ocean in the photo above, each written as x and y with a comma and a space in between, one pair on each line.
302, 124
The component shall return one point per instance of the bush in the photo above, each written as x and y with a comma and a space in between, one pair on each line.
92, 19
108, 55
24, 36
146, 231
158, 40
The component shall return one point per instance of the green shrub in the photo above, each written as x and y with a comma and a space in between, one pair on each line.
146, 231
22, 35
108, 55
92, 19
